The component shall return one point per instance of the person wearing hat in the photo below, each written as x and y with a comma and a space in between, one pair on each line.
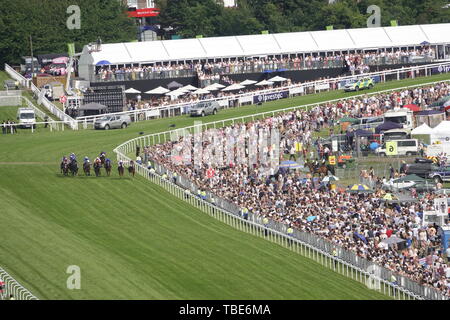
290, 233
266, 225
335, 255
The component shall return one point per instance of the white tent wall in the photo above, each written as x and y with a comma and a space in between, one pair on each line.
441, 134
270, 44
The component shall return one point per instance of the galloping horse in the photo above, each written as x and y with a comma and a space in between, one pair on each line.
73, 167
120, 168
97, 167
87, 168
108, 167
131, 168
64, 167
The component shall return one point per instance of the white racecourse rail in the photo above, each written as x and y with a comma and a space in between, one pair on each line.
72, 123
311, 246
298, 89
14, 288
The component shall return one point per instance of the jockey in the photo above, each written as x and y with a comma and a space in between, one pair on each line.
120, 163
86, 160
107, 160
73, 157
103, 153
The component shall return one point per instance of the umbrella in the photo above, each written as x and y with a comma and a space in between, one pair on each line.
132, 90
290, 165
200, 91
264, 83
159, 90
424, 43
174, 85
176, 93
211, 87
190, 88
412, 107
218, 85
374, 146
348, 119
360, 188
277, 79
103, 63
248, 82
389, 196
330, 179
311, 218
233, 87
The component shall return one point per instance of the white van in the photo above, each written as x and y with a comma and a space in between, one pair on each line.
407, 147
26, 117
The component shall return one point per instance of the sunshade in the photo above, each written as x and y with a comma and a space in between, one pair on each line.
360, 188
290, 164
412, 107
233, 87
264, 83
103, 63
174, 85
159, 90
200, 91
277, 79
330, 179
132, 90
248, 82
189, 87
211, 87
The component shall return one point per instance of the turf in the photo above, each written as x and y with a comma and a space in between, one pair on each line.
130, 238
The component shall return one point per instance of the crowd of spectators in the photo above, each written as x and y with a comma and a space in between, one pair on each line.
356, 62
357, 222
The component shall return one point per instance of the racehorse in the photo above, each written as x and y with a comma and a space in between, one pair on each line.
87, 168
108, 167
131, 168
120, 168
97, 167
322, 169
103, 158
73, 167
64, 167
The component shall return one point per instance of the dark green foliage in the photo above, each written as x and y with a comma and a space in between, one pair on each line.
207, 17
45, 21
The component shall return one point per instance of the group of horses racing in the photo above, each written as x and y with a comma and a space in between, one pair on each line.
69, 166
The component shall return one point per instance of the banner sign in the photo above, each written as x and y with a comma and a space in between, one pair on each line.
270, 97
297, 90
323, 86
141, 13
441, 69
332, 160
441, 206
391, 148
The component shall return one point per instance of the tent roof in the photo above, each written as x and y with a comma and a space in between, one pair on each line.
93, 106
270, 44
442, 128
422, 129
388, 125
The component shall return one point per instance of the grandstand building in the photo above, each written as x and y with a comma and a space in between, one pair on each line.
296, 44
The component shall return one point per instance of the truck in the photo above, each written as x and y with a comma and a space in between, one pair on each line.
403, 116
26, 117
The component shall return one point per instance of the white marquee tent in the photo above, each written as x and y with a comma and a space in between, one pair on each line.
266, 44
441, 133
422, 129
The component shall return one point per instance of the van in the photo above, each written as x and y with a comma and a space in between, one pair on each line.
367, 123
26, 117
407, 147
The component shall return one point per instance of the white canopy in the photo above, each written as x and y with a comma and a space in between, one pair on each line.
235, 86
442, 128
264, 83
277, 79
159, 90
132, 90
267, 44
177, 92
248, 82
189, 88
211, 87
422, 129
200, 91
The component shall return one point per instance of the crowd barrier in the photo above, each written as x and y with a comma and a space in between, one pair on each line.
226, 211
14, 288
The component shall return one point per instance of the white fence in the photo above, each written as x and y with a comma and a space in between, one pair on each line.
353, 266
14, 288
293, 90
72, 123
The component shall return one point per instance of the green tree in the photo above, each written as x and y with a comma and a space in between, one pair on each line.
45, 21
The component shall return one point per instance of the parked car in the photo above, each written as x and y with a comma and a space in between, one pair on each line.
356, 85
423, 170
441, 175
205, 108
112, 122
